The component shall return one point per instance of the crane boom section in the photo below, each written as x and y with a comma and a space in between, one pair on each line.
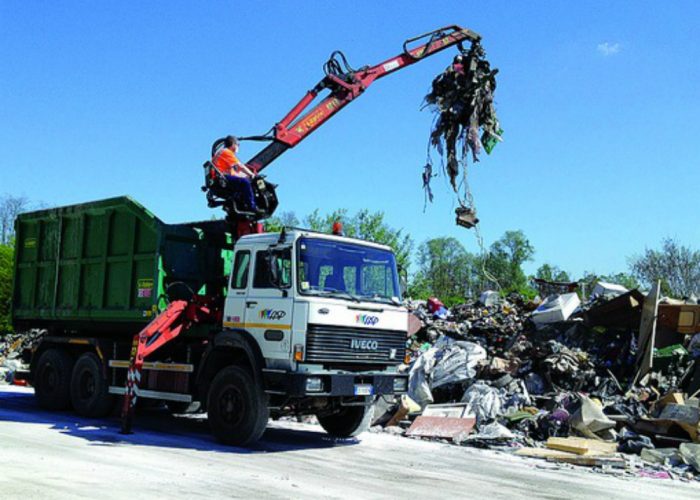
345, 86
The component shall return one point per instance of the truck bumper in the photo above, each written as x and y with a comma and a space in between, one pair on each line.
335, 384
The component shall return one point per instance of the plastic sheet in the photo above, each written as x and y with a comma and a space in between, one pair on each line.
456, 363
485, 401
690, 453
590, 420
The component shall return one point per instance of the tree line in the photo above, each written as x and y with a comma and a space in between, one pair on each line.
10, 207
440, 266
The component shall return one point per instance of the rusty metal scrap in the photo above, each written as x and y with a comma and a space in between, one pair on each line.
441, 427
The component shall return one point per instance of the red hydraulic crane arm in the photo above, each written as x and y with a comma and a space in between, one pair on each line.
179, 316
345, 86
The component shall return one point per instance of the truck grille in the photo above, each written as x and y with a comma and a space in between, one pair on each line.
340, 344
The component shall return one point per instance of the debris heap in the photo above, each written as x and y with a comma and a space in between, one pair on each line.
12, 346
558, 379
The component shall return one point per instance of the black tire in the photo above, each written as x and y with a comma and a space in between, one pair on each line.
52, 379
349, 421
237, 407
89, 389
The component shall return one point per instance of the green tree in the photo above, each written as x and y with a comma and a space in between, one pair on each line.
365, 225
10, 207
445, 270
324, 222
285, 219
676, 265
505, 259
549, 272
6, 269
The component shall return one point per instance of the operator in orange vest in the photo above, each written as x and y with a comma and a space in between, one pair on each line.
237, 173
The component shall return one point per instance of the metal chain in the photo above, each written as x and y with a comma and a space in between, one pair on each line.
484, 255
469, 203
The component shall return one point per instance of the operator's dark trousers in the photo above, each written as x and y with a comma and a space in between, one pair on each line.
242, 186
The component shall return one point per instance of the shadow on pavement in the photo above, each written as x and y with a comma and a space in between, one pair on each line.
156, 427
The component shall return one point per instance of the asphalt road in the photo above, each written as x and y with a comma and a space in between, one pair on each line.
61, 455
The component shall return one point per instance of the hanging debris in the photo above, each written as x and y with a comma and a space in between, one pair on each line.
462, 98
427, 175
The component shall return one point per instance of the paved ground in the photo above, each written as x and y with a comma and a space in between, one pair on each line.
59, 455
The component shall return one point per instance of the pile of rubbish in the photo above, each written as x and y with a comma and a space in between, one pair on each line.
11, 348
611, 383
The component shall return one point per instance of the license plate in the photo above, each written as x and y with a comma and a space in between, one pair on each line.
363, 390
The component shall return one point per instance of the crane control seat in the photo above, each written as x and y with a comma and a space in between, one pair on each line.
220, 193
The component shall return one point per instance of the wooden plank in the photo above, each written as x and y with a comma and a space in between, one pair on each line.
671, 398
406, 406
543, 453
581, 446
400, 414
647, 331
591, 461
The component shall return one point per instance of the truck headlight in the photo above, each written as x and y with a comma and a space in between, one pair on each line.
314, 384
400, 384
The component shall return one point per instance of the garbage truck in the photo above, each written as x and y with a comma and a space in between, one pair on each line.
218, 315
244, 328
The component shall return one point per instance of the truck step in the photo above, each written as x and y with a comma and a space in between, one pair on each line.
167, 396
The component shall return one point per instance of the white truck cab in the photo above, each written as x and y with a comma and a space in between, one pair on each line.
307, 323
325, 312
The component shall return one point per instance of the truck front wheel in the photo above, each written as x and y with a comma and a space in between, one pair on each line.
349, 421
52, 379
237, 407
89, 390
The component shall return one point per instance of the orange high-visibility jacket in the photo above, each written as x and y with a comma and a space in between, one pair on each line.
225, 161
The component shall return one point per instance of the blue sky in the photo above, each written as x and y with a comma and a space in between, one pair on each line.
599, 102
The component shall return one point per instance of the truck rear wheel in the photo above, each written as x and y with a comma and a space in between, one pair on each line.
52, 379
89, 390
349, 421
237, 407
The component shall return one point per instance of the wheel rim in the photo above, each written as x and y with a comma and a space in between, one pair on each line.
49, 378
86, 385
231, 406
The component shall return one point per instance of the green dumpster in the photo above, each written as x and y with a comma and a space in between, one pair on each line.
110, 265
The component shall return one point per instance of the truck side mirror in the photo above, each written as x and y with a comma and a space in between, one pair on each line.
403, 279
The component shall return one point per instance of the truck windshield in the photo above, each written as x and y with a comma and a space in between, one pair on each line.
347, 270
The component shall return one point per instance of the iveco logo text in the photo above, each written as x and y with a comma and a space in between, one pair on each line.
364, 345
366, 319
272, 314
